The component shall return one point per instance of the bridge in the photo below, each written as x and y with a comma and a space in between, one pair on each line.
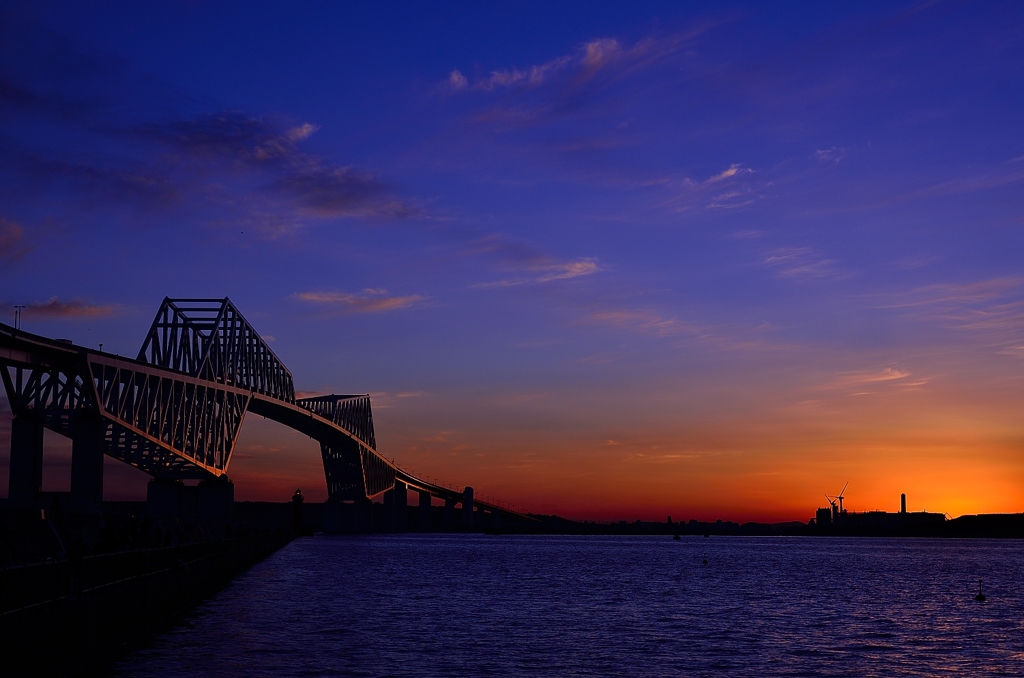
175, 412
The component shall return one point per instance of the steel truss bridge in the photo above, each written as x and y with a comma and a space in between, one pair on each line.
175, 411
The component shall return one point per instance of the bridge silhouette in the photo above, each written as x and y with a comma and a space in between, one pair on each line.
176, 410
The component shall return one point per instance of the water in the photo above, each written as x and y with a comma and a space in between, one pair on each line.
471, 605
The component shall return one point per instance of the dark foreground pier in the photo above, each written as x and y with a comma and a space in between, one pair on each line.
70, 616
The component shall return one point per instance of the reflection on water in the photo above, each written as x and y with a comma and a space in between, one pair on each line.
469, 605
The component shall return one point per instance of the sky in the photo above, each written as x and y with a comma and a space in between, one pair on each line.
608, 261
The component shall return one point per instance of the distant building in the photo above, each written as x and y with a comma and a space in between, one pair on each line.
878, 519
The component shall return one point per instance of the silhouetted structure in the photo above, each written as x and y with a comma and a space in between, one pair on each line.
175, 412
297, 500
838, 520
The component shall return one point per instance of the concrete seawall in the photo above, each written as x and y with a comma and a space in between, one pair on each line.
68, 617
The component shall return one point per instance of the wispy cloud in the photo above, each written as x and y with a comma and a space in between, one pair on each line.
993, 310
530, 264
12, 237
729, 173
730, 188
269, 151
991, 181
382, 400
367, 301
554, 271
831, 155
112, 140
913, 262
953, 296
514, 97
600, 55
55, 308
652, 322
874, 381
803, 263
747, 234
850, 379
646, 321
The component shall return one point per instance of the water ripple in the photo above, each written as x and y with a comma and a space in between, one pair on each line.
472, 605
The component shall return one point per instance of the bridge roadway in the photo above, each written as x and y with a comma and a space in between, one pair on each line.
55, 382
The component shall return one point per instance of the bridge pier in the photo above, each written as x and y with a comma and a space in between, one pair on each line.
87, 462
449, 514
424, 515
162, 498
348, 517
389, 512
215, 499
26, 469
467, 507
401, 507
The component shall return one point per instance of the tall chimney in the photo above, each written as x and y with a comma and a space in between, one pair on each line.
903, 503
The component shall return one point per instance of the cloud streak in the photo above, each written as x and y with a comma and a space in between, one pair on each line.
267, 152
645, 321
12, 237
730, 188
109, 140
55, 308
992, 310
599, 56
854, 379
652, 322
532, 265
804, 264
366, 301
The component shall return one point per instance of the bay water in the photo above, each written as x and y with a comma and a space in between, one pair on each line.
513, 605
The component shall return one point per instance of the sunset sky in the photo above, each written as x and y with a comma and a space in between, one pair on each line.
707, 260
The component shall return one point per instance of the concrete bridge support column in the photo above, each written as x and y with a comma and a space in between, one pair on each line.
449, 514
401, 514
348, 518
362, 516
26, 470
216, 497
425, 517
467, 507
162, 497
87, 463
389, 512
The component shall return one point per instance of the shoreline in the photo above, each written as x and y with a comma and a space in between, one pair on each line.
73, 616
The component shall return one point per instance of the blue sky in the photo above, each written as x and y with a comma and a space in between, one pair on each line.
709, 259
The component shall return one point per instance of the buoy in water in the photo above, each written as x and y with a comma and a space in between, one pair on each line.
981, 596
675, 537
705, 559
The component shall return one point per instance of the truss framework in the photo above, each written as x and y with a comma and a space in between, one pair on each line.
352, 467
56, 393
153, 414
177, 410
209, 339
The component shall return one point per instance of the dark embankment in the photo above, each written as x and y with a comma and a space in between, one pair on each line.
984, 526
67, 617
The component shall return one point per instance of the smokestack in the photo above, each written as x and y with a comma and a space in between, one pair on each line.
903, 503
